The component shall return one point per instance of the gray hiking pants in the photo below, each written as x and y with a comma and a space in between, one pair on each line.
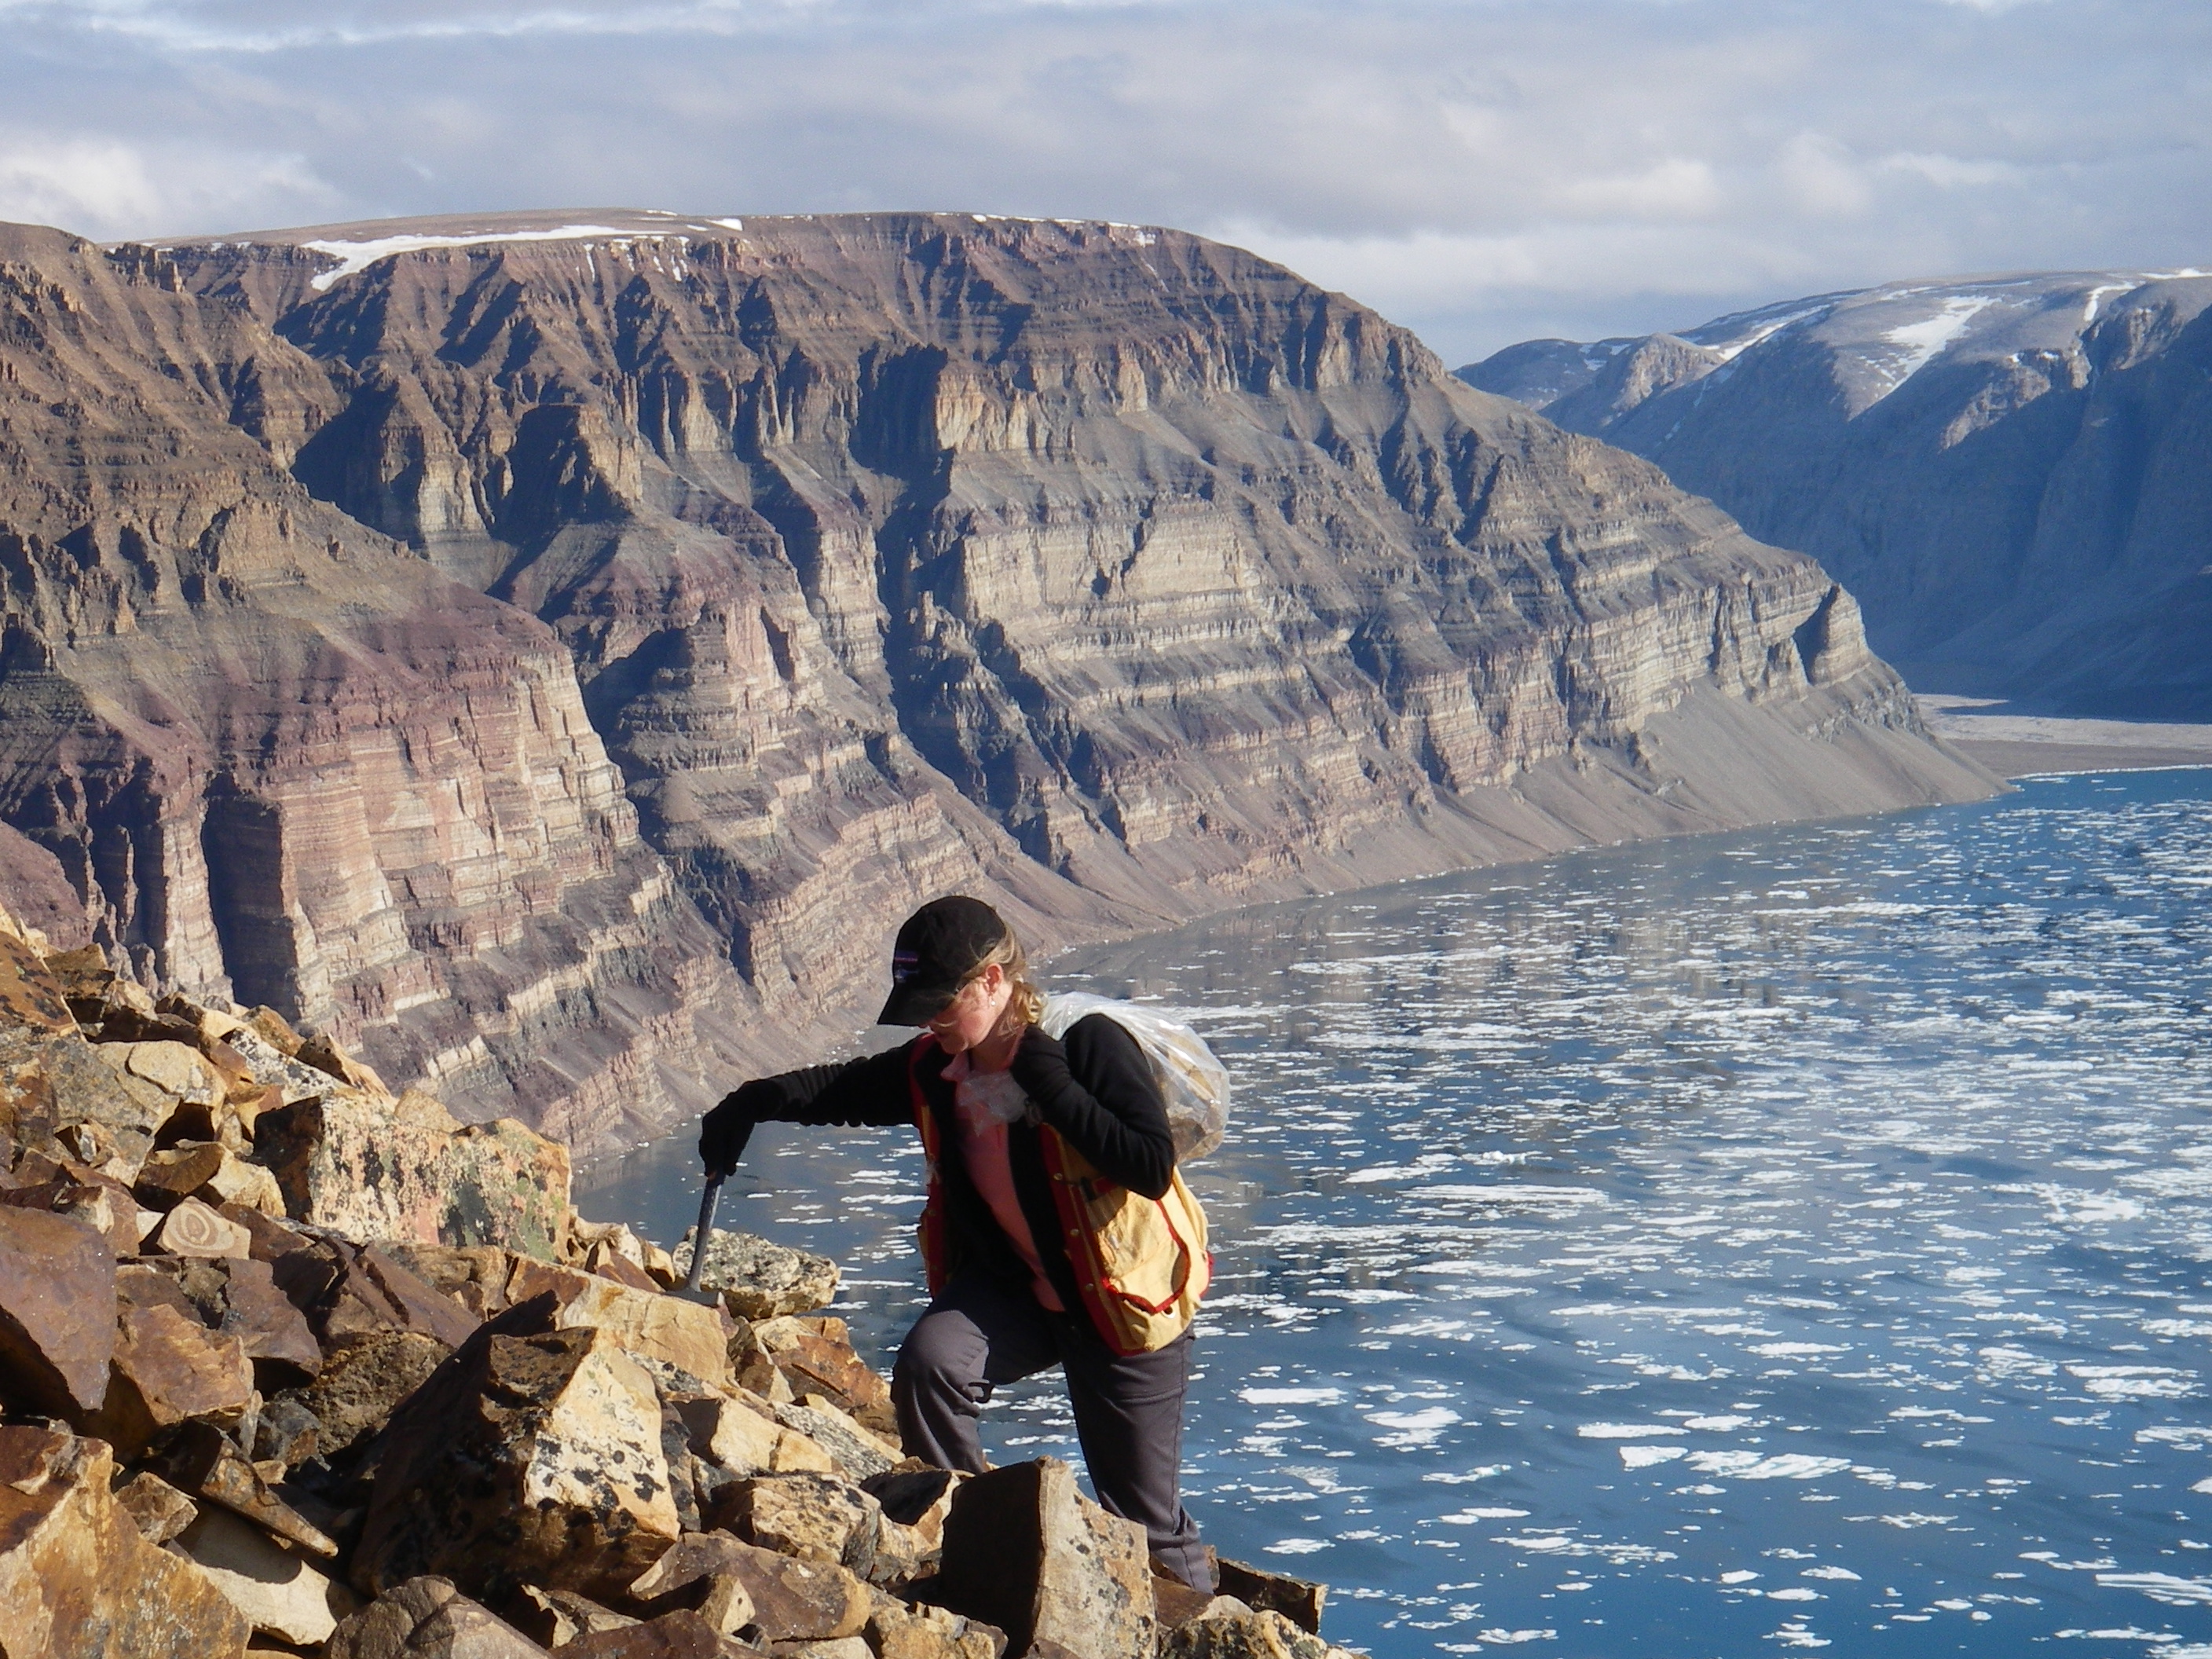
1129, 1409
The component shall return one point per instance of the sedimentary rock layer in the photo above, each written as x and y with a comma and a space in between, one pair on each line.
553, 651
2008, 472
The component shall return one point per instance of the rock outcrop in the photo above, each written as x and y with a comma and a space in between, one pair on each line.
551, 656
2008, 472
387, 1446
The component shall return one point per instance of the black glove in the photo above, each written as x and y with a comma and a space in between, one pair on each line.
724, 1131
1039, 1066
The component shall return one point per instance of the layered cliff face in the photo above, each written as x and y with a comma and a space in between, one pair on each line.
2010, 473
277, 756
551, 649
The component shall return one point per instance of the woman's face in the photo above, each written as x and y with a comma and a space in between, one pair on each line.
970, 1017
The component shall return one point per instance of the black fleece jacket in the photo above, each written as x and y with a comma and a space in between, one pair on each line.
1096, 1088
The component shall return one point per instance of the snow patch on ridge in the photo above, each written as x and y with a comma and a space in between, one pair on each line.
1924, 339
355, 256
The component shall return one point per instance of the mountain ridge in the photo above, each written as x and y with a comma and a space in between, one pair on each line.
2006, 469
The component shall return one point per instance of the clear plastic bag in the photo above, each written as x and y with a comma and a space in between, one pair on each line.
1195, 1084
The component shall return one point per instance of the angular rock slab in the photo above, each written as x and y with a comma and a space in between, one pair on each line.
362, 1384
76, 1577
529, 1459
746, 1439
276, 1592
759, 1279
1027, 1552
428, 1618
169, 1369
56, 1310
920, 1632
1298, 1600
810, 1518
372, 1168
650, 1325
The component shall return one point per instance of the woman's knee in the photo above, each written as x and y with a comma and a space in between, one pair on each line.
944, 1351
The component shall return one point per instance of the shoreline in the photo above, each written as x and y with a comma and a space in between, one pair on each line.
2035, 746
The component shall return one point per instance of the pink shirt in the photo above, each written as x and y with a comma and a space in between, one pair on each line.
983, 1149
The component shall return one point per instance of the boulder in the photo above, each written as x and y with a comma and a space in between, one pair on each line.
278, 1593
474, 1275
858, 1454
203, 1462
209, 1172
362, 1384
84, 976
699, 1573
533, 1457
898, 1631
238, 1297
105, 1116
1237, 1633
169, 1369
816, 1356
428, 1619
159, 1510
322, 1052
272, 1066
759, 1279
810, 1518
32, 997
1298, 1600
179, 1070
78, 1578
554, 1618
351, 1289
56, 1311
83, 1194
287, 1433
652, 1327
372, 1168
673, 1635
741, 1437
796, 1601
194, 1229
1027, 1552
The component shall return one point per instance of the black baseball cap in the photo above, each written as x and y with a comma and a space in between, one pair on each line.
938, 947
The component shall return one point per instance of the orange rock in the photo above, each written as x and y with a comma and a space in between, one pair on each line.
78, 1578
56, 1310
528, 1459
168, 1369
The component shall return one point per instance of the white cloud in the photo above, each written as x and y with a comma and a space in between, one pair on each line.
107, 187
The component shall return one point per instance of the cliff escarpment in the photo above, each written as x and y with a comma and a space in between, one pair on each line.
552, 651
2009, 473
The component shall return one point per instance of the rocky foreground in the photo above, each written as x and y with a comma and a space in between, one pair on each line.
289, 1365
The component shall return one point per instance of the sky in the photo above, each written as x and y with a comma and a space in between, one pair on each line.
1484, 171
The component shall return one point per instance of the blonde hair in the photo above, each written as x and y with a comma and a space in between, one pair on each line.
1027, 1000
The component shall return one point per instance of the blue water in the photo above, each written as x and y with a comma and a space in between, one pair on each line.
1796, 1238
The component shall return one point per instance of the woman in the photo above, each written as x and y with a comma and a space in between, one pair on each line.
1028, 1137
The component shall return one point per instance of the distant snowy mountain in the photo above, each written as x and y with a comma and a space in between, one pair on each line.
2014, 473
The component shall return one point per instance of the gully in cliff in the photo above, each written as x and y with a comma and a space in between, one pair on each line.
1058, 1231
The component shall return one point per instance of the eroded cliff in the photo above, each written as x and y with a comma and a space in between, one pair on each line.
546, 647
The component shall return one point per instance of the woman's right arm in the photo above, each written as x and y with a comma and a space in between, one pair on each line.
872, 1091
